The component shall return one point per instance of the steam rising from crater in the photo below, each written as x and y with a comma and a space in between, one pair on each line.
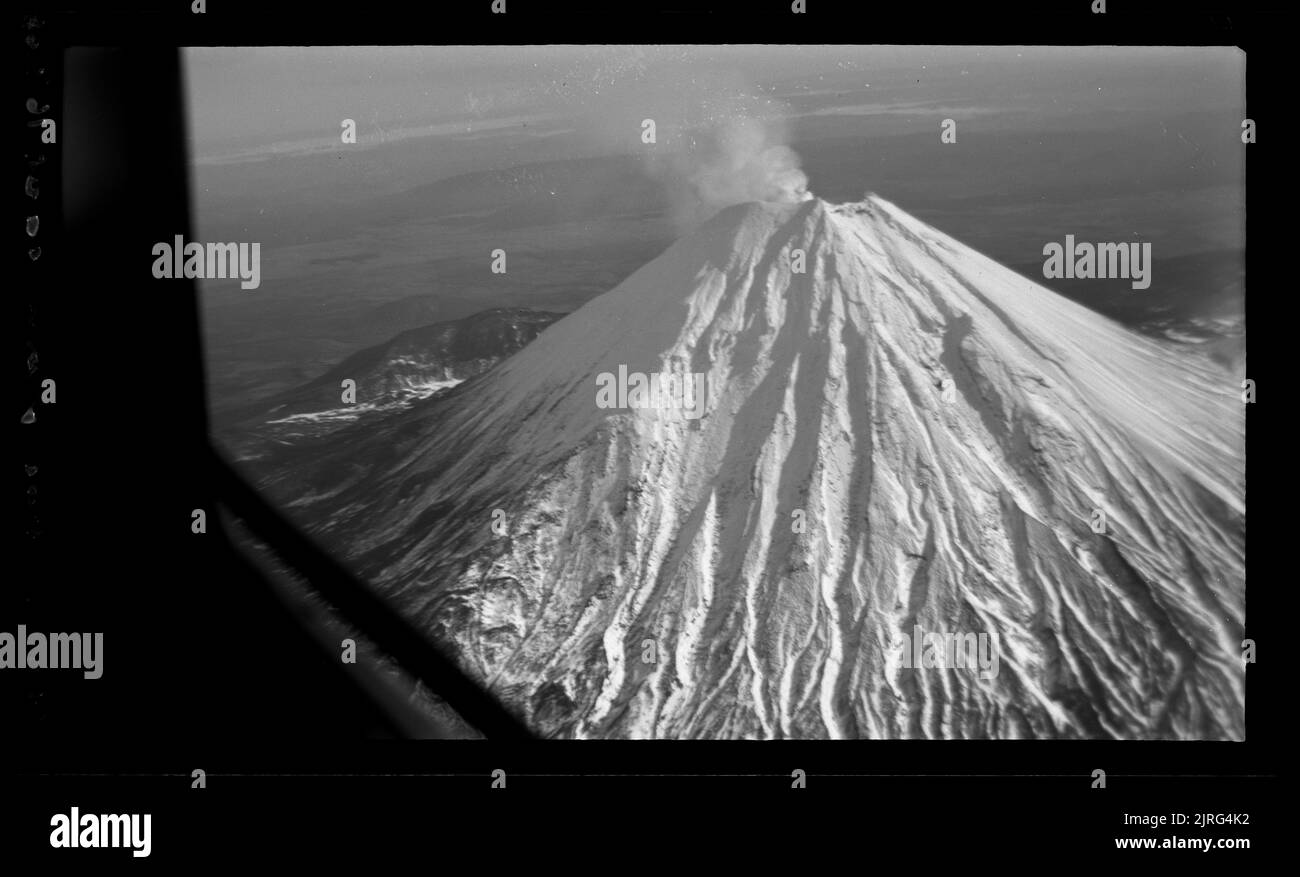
745, 159
717, 140
730, 159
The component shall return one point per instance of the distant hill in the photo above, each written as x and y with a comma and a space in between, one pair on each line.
409, 367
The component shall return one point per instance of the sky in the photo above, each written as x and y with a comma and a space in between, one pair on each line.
249, 103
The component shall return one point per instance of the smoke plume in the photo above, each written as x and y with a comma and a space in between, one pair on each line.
717, 142
738, 158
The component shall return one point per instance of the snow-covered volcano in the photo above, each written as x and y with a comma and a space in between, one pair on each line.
903, 439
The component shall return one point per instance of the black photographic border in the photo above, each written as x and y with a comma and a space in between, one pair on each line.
123, 457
